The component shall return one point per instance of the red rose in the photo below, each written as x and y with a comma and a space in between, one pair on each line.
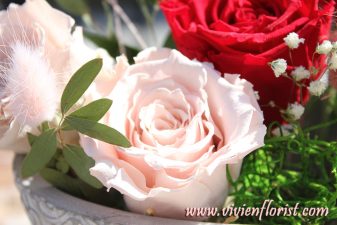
242, 36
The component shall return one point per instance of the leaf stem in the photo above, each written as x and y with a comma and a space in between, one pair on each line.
320, 126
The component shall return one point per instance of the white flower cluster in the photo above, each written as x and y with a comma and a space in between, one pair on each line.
317, 87
295, 111
279, 66
330, 49
324, 48
293, 40
300, 73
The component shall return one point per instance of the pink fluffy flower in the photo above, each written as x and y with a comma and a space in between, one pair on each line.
40, 48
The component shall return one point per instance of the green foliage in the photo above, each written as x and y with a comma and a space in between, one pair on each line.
31, 138
81, 163
61, 180
93, 111
42, 151
66, 166
76, 187
79, 83
289, 170
98, 131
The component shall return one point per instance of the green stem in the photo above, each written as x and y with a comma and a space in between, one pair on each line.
277, 139
320, 126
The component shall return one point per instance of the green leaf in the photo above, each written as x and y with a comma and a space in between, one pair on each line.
75, 7
61, 181
93, 111
81, 163
31, 138
62, 165
43, 150
79, 83
45, 126
98, 131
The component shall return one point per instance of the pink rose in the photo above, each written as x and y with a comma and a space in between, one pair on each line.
184, 131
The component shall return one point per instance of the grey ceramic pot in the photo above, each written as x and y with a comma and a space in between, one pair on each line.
46, 205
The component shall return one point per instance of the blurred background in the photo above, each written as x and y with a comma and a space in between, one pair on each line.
11, 210
103, 26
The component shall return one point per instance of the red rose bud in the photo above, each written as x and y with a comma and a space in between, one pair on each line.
242, 37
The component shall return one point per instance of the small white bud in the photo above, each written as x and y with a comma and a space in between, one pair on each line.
300, 73
333, 61
324, 48
279, 66
286, 130
317, 87
295, 111
293, 41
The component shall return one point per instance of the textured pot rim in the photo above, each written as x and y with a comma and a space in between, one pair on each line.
55, 200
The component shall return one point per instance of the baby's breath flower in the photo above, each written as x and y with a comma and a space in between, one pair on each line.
324, 48
317, 87
284, 130
292, 40
279, 66
295, 111
333, 61
300, 73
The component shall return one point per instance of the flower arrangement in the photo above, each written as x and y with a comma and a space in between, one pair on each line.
235, 112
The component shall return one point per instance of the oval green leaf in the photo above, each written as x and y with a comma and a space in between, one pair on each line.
31, 138
98, 131
79, 83
61, 181
81, 163
42, 151
94, 110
